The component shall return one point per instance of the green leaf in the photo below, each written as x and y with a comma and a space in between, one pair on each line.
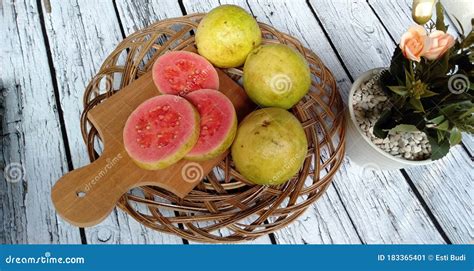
400, 90
404, 128
397, 64
428, 93
460, 25
440, 67
438, 149
437, 120
440, 17
469, 40
444, 126
416, 104
384, 124
460, 114
455, 137
440, 135
409, 78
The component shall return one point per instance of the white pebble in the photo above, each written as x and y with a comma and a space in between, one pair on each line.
369, 101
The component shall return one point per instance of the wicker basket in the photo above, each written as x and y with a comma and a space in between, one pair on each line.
224, 207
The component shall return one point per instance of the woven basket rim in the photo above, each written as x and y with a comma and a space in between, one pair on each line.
228, 209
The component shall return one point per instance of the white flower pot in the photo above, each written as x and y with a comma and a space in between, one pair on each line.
360, 149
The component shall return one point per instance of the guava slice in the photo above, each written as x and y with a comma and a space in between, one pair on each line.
181, 72
218, 124
161, 131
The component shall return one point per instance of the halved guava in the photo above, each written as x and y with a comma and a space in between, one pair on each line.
161, 131
218, 124
181, 72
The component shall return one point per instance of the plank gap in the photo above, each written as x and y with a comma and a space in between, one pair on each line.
117, 14
428, 211
330, 41
381, 22
271, 235
57, 101
348, 213
182, 7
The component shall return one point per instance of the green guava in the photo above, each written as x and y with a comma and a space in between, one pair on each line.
276, 76
270, 146
226, 35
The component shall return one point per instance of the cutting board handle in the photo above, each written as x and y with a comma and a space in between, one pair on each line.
85, 196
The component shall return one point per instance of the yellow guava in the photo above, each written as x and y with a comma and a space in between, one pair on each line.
270, 146
276, 76
226, 35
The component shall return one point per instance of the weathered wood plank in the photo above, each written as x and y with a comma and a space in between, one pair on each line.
298, 22
447, 189
468, 142
325, 221
446, 186
31, 134
396, 17
359, 13
81, 35
135, 15
362, 43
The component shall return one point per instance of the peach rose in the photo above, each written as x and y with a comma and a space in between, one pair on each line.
414, 43
440, 42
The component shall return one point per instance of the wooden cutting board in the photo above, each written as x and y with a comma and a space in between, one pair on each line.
85, 196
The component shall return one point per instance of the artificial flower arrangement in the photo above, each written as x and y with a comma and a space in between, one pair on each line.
429, 86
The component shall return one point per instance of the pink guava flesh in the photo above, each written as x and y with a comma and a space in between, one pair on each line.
181, 72
218, 124
161, 131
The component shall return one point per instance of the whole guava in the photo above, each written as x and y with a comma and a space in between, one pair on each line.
276, 75
226, 35
270, 146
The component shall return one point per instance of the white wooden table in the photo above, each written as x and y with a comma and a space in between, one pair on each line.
51, 49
